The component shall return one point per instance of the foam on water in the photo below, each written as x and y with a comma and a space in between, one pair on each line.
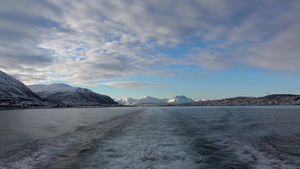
147, 142
252, 137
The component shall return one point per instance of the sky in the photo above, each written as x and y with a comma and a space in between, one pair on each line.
209, 49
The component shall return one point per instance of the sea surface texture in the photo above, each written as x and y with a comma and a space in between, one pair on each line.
155, 137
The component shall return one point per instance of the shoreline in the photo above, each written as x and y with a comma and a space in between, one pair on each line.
125, 106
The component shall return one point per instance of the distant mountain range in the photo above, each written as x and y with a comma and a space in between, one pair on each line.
14, 93
152, 100
275, 99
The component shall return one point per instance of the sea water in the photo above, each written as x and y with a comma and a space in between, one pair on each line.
155, 137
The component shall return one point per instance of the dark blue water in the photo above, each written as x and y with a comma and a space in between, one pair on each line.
175, 137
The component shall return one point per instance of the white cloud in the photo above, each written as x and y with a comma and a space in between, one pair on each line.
209, 59
280, 53
163, 72
85, 42
132, 84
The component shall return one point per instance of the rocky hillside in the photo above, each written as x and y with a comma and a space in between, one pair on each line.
71, 96
276, 99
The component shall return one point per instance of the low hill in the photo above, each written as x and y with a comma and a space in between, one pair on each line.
275, 99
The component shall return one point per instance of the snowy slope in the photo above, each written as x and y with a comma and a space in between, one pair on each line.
14, 93
68, 95
144, 100
180, 99
13, 88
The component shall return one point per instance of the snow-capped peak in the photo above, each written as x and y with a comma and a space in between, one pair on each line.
152, 100
180, 99
127, 101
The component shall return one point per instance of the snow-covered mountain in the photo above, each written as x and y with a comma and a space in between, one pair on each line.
14, 93
127, 101
68, 95
153, 100
150, 100
144, 100
180, 99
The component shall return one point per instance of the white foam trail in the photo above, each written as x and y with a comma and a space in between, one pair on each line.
148, 142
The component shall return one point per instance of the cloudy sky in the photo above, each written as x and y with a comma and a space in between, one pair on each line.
162, 48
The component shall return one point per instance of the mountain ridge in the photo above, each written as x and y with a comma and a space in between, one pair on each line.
65, 94
273, 99
179, 99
